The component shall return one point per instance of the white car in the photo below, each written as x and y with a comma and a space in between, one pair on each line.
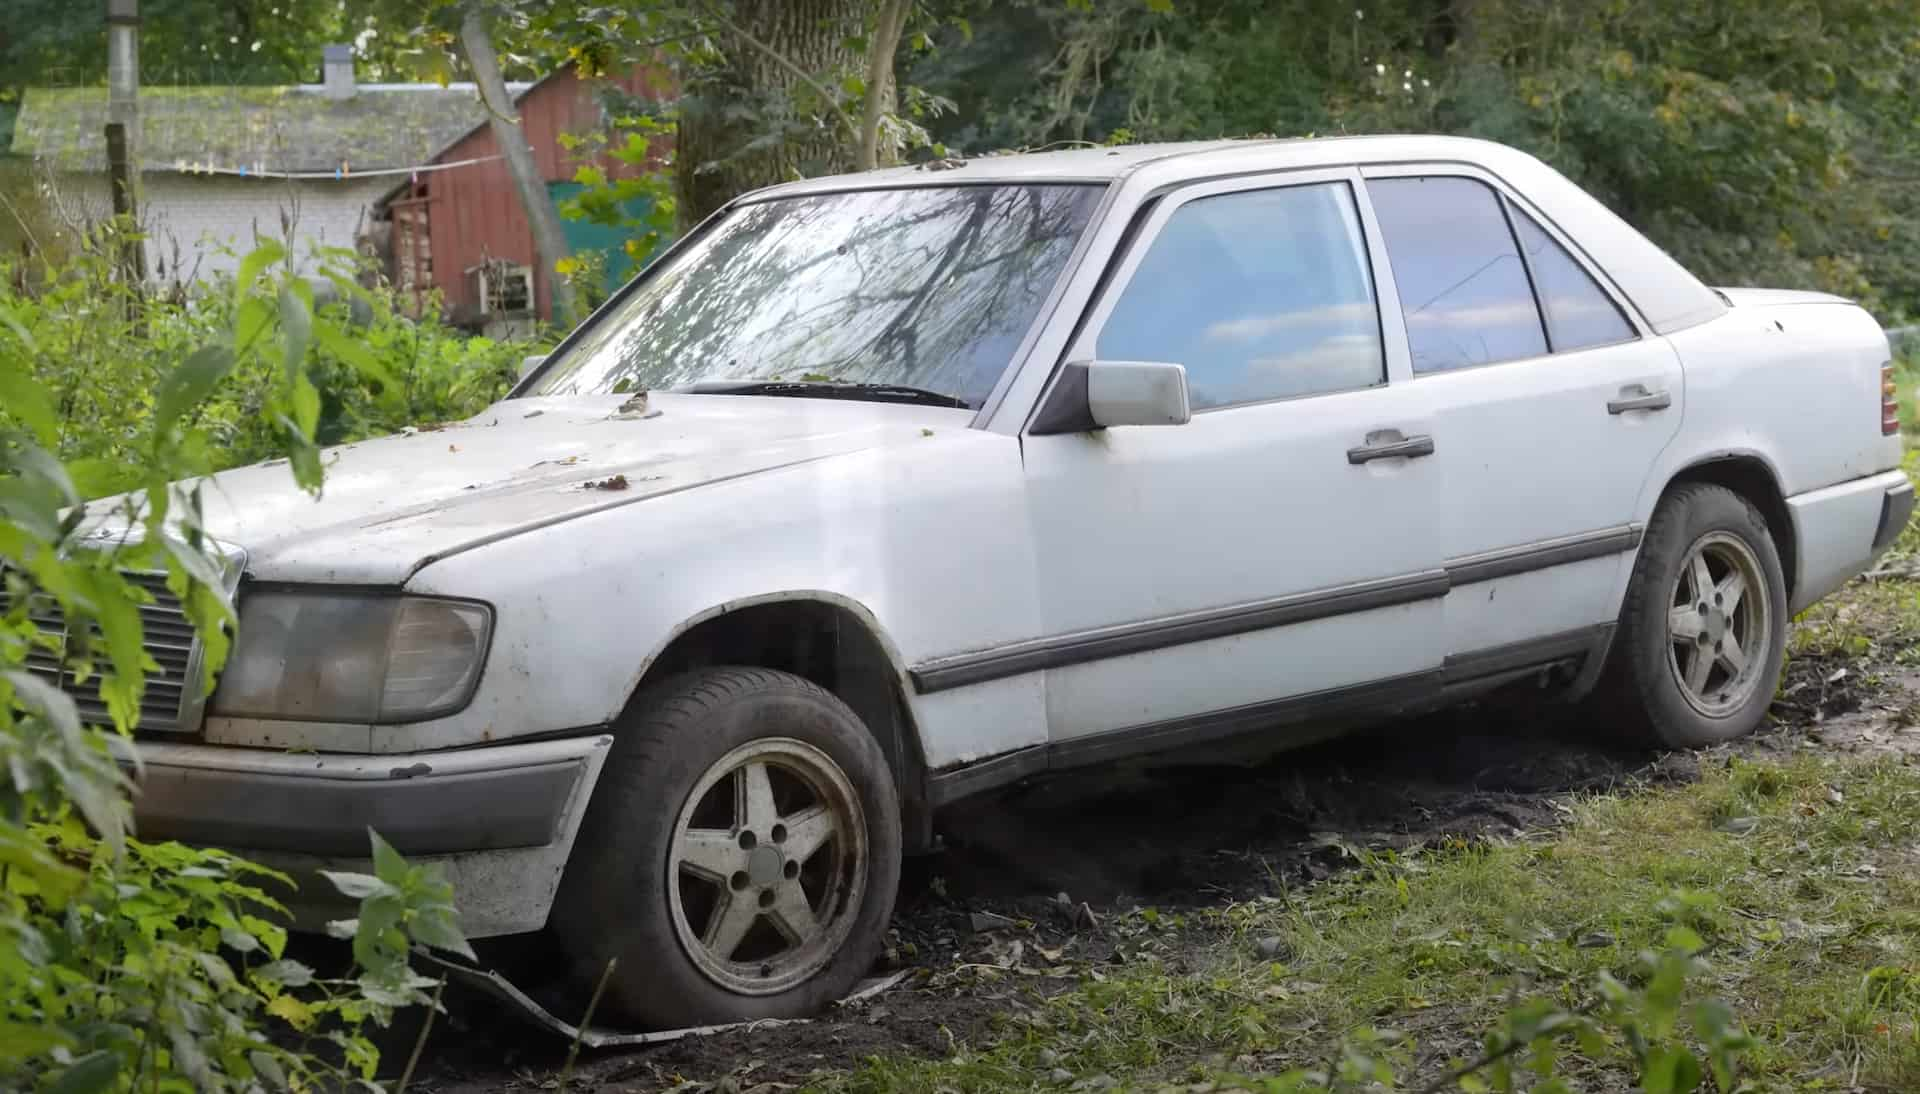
880, 491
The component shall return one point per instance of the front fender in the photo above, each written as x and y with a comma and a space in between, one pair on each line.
926, 543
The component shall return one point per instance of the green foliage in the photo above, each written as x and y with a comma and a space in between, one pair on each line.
133, 966
1759, 143
51, 43
633, 132
266, 373
168, 968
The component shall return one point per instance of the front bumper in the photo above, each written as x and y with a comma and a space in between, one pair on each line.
500, 819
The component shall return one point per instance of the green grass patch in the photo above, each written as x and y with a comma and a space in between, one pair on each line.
1799, 880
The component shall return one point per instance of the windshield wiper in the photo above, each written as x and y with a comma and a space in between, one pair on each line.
827, 389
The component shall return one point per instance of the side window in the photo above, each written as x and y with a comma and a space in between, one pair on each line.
1579, 314
1462, 286
1261, 295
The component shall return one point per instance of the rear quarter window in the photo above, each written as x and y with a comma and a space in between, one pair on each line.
1463, 288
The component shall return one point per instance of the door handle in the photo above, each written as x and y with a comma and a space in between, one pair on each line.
1389, 444
1635, 397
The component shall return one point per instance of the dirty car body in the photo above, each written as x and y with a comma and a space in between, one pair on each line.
1034, 462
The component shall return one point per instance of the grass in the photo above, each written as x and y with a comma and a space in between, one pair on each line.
1800, 878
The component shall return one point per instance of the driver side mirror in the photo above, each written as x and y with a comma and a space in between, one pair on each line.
530, 362
1097, 394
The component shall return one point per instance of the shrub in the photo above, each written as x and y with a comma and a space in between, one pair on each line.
132, 966
103, 352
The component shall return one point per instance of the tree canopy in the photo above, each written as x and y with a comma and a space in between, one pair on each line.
1762, 142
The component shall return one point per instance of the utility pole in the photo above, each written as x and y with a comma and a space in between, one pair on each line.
123, 131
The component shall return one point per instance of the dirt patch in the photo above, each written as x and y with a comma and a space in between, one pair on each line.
1013, 907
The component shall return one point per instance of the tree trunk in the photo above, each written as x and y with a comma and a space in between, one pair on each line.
549, 240
774, 51
881, 47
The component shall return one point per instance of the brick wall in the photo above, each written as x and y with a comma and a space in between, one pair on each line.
191, 218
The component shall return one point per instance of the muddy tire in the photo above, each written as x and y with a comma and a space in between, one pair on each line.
1703, 631
739, 857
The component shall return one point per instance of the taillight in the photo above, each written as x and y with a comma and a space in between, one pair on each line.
1889, 403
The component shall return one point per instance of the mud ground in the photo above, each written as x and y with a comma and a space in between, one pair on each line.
1067, 853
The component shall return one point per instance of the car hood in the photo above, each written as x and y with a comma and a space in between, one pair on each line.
395, 504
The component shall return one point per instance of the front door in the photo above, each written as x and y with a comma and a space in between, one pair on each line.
1551, 407
1273, 561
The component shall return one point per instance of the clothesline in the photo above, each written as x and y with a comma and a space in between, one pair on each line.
340, 173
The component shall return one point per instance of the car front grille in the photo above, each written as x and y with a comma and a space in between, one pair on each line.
172, 702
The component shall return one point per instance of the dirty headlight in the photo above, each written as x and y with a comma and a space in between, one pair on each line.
353, 658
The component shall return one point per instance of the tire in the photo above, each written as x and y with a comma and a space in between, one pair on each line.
1653, 684
684, 868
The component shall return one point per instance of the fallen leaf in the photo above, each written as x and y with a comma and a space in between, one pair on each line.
611, 482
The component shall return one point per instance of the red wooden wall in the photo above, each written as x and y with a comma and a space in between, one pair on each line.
473, 213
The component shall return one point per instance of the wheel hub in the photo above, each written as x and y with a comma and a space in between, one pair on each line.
1715, 630
764, 865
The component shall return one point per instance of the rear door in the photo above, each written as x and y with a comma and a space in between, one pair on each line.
1551, 404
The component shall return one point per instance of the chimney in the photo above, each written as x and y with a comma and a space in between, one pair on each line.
336, 71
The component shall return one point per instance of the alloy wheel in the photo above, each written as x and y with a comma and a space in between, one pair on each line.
1719, 625
768, 867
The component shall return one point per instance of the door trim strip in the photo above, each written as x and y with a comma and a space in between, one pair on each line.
1097, 644
1076, 647
1507, 561
1460, 675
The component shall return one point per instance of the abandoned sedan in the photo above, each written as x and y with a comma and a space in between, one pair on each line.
876, 492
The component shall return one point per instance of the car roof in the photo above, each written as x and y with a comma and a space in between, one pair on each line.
1097, 163
1666, 294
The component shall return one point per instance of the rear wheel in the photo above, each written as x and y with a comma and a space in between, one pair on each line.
1703, 631
740, 854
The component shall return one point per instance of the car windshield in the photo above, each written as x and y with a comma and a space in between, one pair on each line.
924, 288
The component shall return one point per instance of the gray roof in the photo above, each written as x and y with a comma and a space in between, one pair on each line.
275, 129
1667, 296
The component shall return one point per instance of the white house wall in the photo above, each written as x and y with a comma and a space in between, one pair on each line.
207, 224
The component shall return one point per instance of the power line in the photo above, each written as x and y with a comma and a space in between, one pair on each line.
340, 173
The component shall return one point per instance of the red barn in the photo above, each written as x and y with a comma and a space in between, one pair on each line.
457, 225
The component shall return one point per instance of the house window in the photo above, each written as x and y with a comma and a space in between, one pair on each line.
505, 289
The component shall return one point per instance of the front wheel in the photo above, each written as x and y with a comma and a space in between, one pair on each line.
740, 854
1703, 631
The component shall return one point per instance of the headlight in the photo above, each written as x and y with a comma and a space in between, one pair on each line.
362, 658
